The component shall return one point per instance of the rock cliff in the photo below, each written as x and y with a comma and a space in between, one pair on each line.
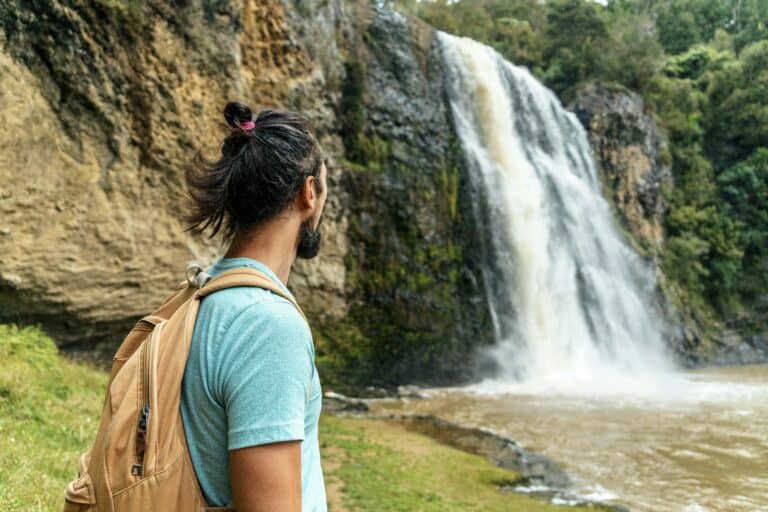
105, 103
632, 155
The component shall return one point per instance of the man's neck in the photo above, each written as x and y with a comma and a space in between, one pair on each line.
272, 245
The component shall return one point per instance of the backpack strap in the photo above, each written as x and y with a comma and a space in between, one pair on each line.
244, 276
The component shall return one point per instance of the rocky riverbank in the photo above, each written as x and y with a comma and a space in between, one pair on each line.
537, 475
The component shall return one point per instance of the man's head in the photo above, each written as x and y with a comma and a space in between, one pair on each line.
270, 164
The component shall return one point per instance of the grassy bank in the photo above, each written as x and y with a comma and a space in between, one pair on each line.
378, 466
49, 407
48, 413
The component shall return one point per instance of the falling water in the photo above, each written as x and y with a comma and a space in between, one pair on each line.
569, 298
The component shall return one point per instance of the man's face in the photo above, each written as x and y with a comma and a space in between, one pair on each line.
309, 241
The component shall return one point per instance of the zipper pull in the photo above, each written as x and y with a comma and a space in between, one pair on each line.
141, 439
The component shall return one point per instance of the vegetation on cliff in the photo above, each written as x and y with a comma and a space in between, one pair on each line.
702, 67
417, 307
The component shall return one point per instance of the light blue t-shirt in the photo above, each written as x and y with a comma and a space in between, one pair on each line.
251, 379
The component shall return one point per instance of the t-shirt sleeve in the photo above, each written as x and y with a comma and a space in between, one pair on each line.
269, 369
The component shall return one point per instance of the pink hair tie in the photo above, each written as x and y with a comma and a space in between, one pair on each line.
248, 125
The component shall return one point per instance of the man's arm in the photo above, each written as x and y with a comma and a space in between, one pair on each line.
266, 477
264, 384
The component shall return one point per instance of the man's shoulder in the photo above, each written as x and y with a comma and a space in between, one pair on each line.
247, 300
255, 310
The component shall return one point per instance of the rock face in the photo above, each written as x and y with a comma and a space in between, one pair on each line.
104, 104
632, 155
417, 304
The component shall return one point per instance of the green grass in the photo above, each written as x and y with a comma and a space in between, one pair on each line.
375, 465
49, 408
48, 413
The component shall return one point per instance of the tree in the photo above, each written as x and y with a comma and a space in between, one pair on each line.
576, 37
677, 29
633, 56
737, 123
749, 22
744, 191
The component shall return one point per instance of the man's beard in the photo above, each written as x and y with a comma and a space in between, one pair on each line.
309, 242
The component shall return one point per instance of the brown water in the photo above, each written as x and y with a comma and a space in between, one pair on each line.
692, 442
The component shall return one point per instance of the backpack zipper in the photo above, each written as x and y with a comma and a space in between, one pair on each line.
143, 421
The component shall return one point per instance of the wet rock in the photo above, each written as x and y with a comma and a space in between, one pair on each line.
539, 475
502, 451
632, 156
420, 299
547, 477
406, 392
735, 349
410, 392
336, 403
376, 392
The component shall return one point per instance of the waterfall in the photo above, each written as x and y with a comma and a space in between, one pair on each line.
568, 296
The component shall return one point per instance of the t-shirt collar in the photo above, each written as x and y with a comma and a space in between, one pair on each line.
223, 264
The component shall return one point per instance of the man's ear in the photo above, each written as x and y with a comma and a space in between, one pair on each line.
307, 196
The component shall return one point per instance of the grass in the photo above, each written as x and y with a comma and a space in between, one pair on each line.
49, 409
375, 465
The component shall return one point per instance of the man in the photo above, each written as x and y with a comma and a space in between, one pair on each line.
251, 394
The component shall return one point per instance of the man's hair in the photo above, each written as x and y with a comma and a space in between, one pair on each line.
264, 163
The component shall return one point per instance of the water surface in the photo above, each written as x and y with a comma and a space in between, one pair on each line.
687, 442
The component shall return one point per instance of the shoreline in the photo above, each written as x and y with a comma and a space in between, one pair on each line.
537, 476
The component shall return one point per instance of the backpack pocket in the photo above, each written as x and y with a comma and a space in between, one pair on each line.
79, 495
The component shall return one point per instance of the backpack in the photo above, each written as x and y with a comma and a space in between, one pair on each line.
140, 460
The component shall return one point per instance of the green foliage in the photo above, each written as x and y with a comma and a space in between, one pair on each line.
692, 64
632, 56
576, 37
744, 190
682, 24
450, 188
48, 413
683, 260
750, 22
509, 26
351, 113
737, 123
677, 30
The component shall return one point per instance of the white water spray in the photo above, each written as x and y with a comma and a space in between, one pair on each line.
570, 299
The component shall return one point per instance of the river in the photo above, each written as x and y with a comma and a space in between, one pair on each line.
694, 441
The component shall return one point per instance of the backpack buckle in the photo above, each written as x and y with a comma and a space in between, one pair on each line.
196, 276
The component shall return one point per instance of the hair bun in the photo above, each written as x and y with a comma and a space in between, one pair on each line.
236, 113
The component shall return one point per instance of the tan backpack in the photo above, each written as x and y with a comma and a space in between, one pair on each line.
140, 460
